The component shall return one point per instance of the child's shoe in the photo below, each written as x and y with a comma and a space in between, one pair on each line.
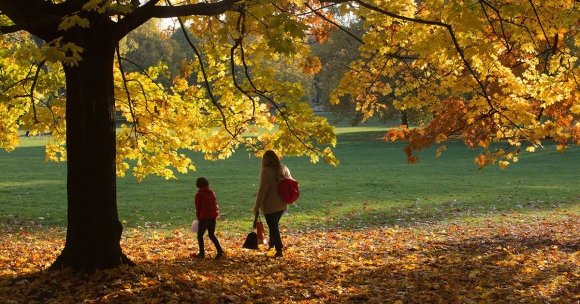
220, 255
198, 256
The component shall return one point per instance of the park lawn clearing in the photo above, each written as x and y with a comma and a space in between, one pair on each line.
515, 258
373, 185
372, 230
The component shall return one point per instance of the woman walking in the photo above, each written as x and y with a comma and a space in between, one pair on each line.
268, 199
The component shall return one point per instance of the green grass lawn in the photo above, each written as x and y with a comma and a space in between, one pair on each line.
373, 185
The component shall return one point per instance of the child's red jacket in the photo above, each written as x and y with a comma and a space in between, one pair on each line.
206, 206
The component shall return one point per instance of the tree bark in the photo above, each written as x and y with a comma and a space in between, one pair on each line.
94, 230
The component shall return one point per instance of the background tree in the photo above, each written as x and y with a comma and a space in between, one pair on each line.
150, 45
337, 54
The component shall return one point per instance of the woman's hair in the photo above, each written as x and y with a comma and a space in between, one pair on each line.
270, 159
201, 182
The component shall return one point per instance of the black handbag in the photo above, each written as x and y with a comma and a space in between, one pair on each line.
251, 241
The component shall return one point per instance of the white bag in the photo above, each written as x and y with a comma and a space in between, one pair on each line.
194, 226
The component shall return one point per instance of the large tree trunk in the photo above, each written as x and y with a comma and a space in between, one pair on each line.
94, 231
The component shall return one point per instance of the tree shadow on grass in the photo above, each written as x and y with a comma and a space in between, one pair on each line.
496, 261
377, 215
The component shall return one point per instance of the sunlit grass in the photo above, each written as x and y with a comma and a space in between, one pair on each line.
372, 186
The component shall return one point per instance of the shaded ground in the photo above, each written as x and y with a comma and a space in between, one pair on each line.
513, 260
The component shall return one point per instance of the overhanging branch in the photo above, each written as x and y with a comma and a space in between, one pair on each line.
151, 10
198, 9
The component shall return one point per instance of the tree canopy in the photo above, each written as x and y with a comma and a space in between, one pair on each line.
237, 105
487, 71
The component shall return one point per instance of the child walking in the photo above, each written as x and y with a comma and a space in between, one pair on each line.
207, 211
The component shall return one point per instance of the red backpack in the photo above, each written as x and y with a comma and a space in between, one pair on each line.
289, 190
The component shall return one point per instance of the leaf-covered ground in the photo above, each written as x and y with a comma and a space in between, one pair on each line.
513, 260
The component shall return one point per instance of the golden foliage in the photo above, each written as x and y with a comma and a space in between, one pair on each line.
495, 71
227, 98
